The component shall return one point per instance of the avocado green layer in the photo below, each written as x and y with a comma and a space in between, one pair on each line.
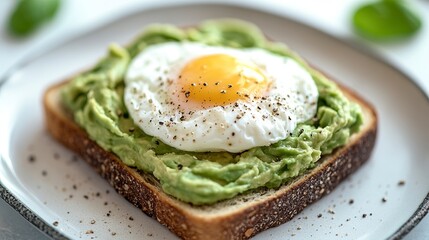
96, 99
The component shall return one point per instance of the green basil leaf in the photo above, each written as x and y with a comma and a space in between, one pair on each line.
31, 14
386, 19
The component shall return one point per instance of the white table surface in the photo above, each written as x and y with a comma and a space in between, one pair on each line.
332, 16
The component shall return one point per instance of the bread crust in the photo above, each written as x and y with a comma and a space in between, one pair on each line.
270, 208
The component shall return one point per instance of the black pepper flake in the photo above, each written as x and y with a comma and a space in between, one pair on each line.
126, 115
364, 215
131, 218
229, 86
216, 83
55, 223
319, 215
233, 134
182, 118
174, 137
161, 123
187, 94
31, 158
401, 183
223, 91
351, 201
75, 158
205, 84
86, 197
92, 221
131, 129
300, 131
44, 173
180, 166
157, 142
384, 200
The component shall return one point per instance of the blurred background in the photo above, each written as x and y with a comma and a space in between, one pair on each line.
31, 27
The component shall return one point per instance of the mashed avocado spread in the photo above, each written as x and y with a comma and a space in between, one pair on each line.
95, 98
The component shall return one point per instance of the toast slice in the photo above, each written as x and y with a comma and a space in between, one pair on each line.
239, 218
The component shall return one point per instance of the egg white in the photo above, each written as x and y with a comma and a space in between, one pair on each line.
236, 127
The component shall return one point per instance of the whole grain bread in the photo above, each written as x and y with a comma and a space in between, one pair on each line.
239, 218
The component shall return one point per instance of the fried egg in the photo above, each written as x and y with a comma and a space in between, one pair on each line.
199, 98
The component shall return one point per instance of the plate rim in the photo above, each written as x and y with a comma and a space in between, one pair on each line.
52, 232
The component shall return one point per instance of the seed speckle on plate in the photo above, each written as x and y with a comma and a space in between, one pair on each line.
31, 158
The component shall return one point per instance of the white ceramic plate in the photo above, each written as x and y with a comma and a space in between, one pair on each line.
66, 198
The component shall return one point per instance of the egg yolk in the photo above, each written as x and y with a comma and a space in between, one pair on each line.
220, 79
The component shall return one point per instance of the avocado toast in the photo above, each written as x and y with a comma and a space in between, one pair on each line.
244, 213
